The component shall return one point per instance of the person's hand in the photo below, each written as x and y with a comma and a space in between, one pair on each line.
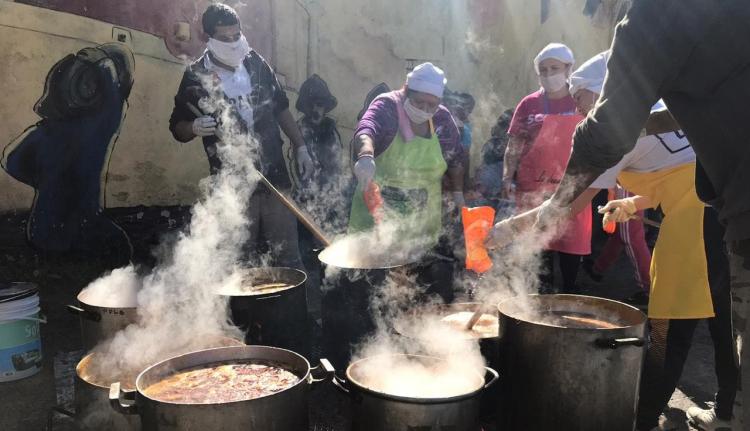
501, 234
364, 169
619, 210
204, 126
304, 163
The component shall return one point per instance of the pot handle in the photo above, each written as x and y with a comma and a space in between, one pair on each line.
122, 401
614, 343
494, 379
327, 367
88, 315
341, 384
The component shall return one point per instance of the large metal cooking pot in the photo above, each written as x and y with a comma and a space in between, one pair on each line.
99, 323
345, 307
282, 411
374, 410
488, 345
272, 317
573, 363
92, 409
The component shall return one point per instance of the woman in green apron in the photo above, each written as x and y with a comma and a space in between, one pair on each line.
405, 142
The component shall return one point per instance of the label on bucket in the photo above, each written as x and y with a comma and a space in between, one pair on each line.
20, 349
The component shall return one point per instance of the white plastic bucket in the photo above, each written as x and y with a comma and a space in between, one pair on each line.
20, 345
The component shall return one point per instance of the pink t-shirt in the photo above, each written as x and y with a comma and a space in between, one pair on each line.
529, 115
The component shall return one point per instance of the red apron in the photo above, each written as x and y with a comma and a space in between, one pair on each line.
539, 173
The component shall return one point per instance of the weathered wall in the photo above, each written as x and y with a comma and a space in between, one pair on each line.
486, 47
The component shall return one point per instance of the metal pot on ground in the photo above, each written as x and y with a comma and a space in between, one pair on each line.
285, 410
92, 405
573, 363
374, 410
99, 323
275, 315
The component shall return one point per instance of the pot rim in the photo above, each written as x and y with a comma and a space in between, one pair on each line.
94, 307
414, 400
296, 286
302, 379
455, 306
514, 315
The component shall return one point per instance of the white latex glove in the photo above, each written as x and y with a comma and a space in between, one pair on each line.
619, 210
364, 169
501, 234
458, 200
204, 126
304, 163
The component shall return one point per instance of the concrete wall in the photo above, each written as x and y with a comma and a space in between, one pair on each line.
486, 47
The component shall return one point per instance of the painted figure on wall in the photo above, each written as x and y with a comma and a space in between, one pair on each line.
65, 155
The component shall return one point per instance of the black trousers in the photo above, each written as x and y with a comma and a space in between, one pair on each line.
664, 367
569, 264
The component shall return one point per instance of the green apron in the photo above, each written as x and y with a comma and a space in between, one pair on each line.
409, 175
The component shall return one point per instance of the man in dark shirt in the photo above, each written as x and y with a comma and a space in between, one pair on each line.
695, 54
232, 72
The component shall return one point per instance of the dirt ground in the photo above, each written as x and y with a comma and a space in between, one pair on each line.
35, 403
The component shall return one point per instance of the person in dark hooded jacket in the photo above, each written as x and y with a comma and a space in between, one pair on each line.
322, 191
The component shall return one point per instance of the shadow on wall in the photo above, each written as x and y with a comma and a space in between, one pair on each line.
65, 155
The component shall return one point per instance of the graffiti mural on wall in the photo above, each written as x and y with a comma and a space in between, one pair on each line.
64, 156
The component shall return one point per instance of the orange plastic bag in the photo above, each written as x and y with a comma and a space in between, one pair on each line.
374, 201
477, 225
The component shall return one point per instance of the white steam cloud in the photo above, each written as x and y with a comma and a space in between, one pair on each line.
178, 308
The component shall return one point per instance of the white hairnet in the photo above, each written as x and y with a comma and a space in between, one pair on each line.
427, 78
590, 76
558, 51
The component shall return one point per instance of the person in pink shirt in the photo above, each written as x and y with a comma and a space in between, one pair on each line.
541, 133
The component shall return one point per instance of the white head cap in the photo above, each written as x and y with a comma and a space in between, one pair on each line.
427, 78
558, 51
590, 76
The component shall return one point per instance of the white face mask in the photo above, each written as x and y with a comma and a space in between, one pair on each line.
553, 83
415, 114
229, 53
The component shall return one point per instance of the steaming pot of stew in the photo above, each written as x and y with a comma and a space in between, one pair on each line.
94, 377
99, 322
232, 388
270, 305
414, 392
574, 362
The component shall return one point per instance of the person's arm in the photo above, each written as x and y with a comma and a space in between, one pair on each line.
650, 46
182, 119
512, 157
290, 128
363, 145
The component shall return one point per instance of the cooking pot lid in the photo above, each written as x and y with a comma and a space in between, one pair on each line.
16, 290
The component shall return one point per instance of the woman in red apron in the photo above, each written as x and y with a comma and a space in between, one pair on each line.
541, 140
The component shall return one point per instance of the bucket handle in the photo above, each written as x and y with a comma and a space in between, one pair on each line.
326, 365
86, 314
122, 401
615, 343
495, 377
